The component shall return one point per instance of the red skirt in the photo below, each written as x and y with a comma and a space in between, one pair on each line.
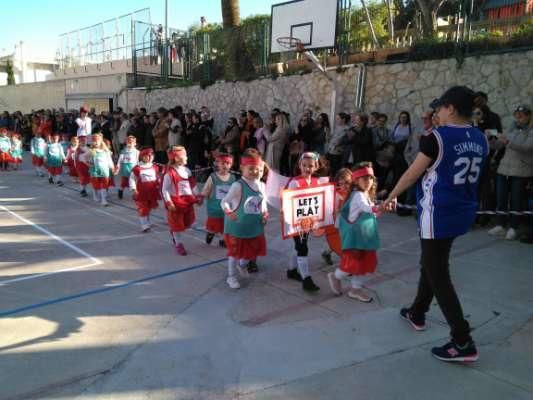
5, 157
55, 170
71, 168
16, 160
37, 161
214, 225
145, 206
359, 262
83, 172
245, 249
100, 183
180, 220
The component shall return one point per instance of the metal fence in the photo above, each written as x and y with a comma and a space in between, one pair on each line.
110, 40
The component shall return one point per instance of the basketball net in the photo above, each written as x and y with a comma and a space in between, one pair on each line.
295, 44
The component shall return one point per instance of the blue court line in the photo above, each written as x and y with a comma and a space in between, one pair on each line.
105, 289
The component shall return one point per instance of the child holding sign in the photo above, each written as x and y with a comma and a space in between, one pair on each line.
246, 214
359, 234
299, 263
215, 189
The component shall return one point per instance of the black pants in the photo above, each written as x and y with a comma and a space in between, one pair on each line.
300, 245
435, 281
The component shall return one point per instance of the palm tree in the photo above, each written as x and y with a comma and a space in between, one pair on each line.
231, 21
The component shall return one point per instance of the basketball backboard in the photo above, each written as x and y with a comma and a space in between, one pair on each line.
313, 22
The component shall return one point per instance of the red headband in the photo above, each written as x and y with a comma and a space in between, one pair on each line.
146, 152
365, 171
173, 153
251, 161
227, 159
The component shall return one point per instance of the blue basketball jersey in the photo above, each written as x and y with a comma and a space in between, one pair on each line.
447, 192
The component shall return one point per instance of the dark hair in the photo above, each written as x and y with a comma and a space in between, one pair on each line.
345, 117
375, 114
325, 120
460, 97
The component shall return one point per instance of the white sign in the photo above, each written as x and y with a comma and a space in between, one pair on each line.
315, 202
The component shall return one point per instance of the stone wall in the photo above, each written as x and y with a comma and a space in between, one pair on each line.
506, 78
290, 93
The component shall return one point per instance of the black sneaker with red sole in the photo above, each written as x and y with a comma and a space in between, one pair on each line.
452, 352
418, 325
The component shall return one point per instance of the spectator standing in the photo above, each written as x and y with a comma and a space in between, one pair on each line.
514, 171
175, 129
276, 142
321, 131
362, 146
335, 145
160, 133
381, 134
84, 124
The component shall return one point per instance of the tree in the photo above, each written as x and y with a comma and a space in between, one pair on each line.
231, 20
10, 73
429, 10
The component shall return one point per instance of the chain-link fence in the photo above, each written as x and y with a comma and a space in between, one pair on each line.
363, 27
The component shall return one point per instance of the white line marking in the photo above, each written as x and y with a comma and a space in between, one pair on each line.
94, 260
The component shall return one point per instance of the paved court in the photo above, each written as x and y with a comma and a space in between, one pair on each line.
90, 308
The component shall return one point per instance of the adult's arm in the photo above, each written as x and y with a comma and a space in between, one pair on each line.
409, 178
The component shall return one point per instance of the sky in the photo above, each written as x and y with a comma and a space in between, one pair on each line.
39, 23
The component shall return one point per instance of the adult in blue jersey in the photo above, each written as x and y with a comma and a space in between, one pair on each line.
446, 171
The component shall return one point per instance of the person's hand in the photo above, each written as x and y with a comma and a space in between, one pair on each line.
199, 199
503, 139
171, 206
389, 205
231, 215
264, 219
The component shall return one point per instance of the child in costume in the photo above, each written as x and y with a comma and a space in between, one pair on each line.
246, 214
5, 147
71, 156
180, 196
16, 151
54, 159
343, 181
101, 165
38, 151
215, 189
359, 234
81, 161
299, 262
144, 184
128, 158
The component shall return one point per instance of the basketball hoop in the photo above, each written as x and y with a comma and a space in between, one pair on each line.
304, 226
291, 43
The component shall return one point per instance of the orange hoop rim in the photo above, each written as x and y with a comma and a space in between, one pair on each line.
291, 43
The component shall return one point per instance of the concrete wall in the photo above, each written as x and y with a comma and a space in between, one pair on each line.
28, 96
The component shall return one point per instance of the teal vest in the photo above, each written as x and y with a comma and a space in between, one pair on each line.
5, 144
361, 234
54, 158
219, 191
100, 167
249, 216
38, 145
128, 161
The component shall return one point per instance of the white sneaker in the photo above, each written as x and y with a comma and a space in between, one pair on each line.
496, 231
105, 203
233, 282
145, 227
511, 234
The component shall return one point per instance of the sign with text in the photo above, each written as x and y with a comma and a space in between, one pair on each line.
315, 202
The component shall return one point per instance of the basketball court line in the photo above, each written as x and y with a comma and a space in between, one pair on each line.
94, 261
134, 282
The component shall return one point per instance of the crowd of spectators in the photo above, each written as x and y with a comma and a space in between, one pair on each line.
355, 137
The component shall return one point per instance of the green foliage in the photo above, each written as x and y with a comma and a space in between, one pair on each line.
10, 73
360, 33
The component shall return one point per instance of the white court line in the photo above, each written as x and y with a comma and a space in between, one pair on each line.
94, 261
